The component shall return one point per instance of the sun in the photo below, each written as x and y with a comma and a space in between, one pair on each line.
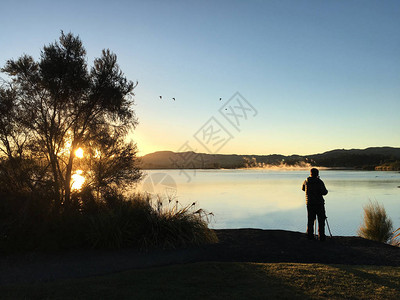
79, 153
77, 180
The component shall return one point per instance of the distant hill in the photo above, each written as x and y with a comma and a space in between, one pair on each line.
368, 158
384, 158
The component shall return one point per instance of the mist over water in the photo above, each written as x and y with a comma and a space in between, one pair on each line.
286, 167
272, 199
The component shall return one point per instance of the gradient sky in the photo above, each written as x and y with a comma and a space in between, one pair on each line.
321, 74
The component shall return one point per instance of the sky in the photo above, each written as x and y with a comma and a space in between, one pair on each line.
248, 77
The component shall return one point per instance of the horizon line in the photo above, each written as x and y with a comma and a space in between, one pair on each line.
293, 154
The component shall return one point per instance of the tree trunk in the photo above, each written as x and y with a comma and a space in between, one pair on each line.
68, 176
57, 191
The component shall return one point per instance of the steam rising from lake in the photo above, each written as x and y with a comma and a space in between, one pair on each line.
284, 166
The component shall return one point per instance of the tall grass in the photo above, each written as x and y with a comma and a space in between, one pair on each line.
172, 224
376, 226
27, 222
145, 222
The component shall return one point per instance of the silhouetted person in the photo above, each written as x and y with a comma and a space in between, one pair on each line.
315, 190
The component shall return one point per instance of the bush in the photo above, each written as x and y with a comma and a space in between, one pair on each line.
377, 226
141, 222
27, 222
172, 225
121, 223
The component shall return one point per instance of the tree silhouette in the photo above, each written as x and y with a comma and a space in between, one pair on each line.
51, 107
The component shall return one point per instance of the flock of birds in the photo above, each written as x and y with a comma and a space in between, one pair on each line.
174, 98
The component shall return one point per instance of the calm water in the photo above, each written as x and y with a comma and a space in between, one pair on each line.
270, 199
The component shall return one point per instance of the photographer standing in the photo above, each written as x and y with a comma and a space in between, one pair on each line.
315, 190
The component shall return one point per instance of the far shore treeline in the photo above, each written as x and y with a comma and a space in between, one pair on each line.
374, 158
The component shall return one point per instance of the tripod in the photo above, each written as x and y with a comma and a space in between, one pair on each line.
330, 233
315, 228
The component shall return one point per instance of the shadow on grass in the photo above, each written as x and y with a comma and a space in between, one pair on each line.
192, 281
214, 280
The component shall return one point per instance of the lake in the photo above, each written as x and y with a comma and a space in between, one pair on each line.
273, 199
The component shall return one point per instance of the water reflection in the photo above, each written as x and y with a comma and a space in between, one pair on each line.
273, 199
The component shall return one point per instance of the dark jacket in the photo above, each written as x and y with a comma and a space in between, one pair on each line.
315, 189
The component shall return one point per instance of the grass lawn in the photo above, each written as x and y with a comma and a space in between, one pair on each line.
224, 281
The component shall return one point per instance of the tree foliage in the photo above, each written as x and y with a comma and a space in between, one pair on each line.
51, 107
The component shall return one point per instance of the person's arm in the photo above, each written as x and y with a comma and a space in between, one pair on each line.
324, 191
304, 186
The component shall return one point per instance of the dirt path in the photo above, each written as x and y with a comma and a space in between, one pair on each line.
251, 245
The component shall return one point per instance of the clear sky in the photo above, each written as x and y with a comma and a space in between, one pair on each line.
321, 75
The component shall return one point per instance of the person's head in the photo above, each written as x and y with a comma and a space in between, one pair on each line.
314, 172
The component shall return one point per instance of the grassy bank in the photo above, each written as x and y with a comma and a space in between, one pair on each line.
223, 280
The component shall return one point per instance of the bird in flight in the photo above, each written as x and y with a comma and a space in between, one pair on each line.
220, 99
173, 99
160, 97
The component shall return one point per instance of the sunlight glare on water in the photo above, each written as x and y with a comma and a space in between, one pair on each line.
79, 153
77, 180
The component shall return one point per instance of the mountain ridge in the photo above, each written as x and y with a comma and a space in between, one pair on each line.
371, 158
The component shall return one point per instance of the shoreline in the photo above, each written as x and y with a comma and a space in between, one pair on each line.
277, 169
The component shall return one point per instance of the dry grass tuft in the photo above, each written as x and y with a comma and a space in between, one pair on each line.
377, 226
